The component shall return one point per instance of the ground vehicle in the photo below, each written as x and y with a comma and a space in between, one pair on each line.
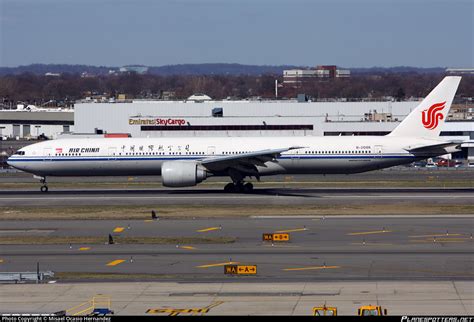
419, 164
99, 305
371, 310
324, 311
446, 163
431, 165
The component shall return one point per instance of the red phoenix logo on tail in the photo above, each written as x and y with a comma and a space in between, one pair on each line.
431, 116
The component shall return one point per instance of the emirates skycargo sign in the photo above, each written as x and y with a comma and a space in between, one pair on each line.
156, 121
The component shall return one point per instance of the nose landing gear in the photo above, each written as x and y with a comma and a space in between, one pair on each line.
44, 187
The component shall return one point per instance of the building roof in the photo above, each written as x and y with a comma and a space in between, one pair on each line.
12, 115
199, 97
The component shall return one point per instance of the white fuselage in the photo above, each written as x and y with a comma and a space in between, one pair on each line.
145, 156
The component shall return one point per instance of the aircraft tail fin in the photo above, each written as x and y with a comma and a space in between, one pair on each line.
428, 117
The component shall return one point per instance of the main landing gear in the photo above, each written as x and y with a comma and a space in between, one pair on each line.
238, 187
44, 187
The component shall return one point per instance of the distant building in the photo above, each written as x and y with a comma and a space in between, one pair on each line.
343, 73
134, 69
198, 98
31, 122
457, 71
49, 74
298, 76
167, 95
87, 75
328, 70
294, 76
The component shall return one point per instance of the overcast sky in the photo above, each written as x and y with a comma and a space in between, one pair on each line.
348, 33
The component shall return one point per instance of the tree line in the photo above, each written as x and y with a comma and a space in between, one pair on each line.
35, 89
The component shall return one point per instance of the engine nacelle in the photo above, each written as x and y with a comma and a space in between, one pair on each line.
182, 173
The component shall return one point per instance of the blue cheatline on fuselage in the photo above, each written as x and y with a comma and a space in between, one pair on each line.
153, 158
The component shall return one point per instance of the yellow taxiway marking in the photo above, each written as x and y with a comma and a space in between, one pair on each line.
174, 311
116, 262
390, 269
217, 264
291, 230
434, 235
310, 268
187, 247
452, 239
208, 229
84, 248
148, 220
370, 232
281, 246
440, 240
119, 229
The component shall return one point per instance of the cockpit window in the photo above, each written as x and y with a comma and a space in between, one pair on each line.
19, 153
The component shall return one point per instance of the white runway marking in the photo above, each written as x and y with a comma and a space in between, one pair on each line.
320, 217
396, 196
123, 197
167, 197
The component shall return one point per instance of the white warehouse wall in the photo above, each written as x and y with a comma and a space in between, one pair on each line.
114, 117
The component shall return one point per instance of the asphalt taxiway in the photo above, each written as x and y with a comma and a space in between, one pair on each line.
261, 196
413, 263
354, 248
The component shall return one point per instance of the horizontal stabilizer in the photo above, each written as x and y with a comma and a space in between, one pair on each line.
433, 147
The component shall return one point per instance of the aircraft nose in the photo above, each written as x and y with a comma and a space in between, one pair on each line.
14, 163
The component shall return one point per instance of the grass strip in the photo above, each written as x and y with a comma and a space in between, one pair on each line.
80, 276
91, 240
226, 211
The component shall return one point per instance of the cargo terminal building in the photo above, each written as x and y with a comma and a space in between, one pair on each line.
250, 118
257, 118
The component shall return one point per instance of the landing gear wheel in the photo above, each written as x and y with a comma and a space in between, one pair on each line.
239, 187
229, 188
248, 187
44, 188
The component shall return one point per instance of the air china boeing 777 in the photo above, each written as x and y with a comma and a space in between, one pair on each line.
184, 162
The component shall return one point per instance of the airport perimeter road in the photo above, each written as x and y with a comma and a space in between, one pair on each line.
151, 298
320, 249
282, 196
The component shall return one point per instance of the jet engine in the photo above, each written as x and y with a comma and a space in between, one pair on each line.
182, 173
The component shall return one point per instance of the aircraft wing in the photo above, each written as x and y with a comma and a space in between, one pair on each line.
433, 147
245, 162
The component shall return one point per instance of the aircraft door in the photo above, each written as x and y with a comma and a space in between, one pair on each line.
211, 150
378, 151
48, 153
295, 158
112, 155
